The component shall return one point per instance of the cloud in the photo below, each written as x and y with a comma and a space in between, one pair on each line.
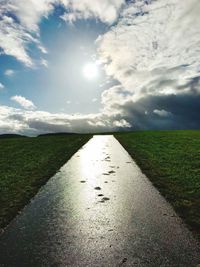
151, 51
14, 40
33, 122
1, 86
149, 112
154, 47
22, 101
162, 113
7, 125
122, 123
106, 11
9, 72
31, 12
44, 62
20, 19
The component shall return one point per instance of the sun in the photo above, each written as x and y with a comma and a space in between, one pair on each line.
90, 71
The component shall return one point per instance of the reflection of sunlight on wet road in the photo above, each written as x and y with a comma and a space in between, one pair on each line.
99, 210
90, 165
90, 160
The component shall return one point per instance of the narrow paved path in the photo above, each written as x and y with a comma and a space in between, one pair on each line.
99, 210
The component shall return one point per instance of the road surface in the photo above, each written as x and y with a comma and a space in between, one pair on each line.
99, 210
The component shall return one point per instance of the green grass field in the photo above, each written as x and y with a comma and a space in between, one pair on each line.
26, 164
171, 160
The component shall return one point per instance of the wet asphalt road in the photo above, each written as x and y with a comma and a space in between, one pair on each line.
99, 210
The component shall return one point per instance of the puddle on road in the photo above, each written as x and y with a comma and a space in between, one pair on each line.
97, 188
104, 199
110, 172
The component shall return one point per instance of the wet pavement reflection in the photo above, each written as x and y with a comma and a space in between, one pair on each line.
98, 210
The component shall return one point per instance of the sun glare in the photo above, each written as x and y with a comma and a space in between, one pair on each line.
90, 71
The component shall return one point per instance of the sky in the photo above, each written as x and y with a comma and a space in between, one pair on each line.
99, 65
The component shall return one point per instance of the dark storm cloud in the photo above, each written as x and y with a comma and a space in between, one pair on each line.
183, 112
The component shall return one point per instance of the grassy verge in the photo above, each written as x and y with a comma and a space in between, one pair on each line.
26, 164
171, 160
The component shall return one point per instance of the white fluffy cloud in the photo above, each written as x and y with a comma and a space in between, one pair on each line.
105, 10
14, 40
150, 36
31, 122
152, 51
17, 34
23, 102
1, 86
151, 112
162, 113
30, 12
154, 47
9, 72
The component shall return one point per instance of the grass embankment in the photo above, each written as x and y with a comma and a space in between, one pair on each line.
171, 160
26, 164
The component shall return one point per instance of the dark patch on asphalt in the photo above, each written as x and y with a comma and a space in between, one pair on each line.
123, 261
172, 216
107, 158
56, 264
128, 162
108, 173
104, 199
97, 188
